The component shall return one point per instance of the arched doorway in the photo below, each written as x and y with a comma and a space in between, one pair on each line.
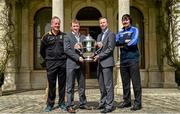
89, 14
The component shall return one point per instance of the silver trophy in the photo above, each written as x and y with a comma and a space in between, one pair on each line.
88, 48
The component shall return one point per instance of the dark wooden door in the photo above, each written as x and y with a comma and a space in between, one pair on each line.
90, 67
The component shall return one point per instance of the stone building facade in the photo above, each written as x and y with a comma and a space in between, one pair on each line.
32, 20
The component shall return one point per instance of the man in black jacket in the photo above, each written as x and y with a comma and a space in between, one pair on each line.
52, 50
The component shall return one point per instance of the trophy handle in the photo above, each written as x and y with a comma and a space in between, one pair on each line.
80, 52
97, 51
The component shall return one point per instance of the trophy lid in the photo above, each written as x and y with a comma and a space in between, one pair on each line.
88, 38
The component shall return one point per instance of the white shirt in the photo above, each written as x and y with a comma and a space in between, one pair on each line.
104, 33
77, 36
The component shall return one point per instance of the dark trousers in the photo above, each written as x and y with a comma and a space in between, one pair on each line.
130, 71
70, 83
105, 79
56, 72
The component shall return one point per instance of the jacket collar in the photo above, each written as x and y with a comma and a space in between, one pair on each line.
51, 33
127, 28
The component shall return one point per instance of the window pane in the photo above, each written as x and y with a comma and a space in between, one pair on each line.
41, 26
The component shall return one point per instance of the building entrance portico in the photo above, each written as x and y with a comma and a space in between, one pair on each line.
32, 18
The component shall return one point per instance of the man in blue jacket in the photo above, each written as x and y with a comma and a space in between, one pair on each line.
127, 41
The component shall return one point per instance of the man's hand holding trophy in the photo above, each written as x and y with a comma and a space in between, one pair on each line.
78, 47
99, 46
87, 49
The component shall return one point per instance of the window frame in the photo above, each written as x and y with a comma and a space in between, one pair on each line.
40, 12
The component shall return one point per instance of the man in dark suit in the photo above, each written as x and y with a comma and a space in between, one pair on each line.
74, 68
105, 59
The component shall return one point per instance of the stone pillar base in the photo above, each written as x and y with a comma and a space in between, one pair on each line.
155, 79
23, 79
169, 77
118, 86
9, 82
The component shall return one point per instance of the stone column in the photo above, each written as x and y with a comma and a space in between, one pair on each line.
169, 72
24, 79
10, 74
68, 15
123, 8
155, 79
178, 19
109, 13
2, 5
58, 10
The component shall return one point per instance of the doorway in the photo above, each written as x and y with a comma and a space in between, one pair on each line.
90, 67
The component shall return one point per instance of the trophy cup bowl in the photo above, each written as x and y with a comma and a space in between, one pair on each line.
88, 48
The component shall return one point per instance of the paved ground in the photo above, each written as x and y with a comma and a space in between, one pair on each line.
154, 101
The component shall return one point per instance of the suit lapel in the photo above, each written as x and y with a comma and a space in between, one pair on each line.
81, 38
99, 37
73, 38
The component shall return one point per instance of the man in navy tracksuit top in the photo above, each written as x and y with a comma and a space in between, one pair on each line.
127, 40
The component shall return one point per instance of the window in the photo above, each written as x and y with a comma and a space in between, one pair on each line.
41, 26
138, 21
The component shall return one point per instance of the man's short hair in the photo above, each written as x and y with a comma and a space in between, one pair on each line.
75, 21
55, 17
103, 18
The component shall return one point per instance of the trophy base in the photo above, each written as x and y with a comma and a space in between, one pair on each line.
88, 59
